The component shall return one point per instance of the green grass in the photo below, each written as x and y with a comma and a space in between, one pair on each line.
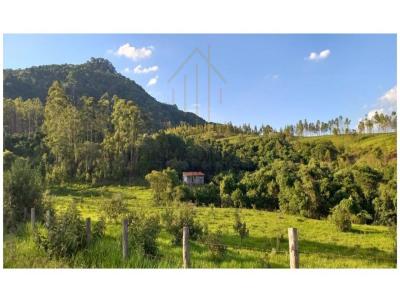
362, 147
386, 141
321, 245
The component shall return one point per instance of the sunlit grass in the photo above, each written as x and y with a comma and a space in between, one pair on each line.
321, 245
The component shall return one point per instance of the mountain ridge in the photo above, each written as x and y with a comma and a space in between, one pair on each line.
94, 78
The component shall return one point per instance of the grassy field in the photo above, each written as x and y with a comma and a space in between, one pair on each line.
321, 246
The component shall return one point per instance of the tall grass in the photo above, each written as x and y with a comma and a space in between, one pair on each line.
321, 245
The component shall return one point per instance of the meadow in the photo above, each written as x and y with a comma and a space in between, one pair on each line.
320, 244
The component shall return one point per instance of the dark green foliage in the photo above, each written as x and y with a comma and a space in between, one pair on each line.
98, 229
66, 236
143, 232
215, 245
385, 205
206, 194
23, 188
115, 208
175, 219
100, 138
93, 78
341, 215
240, 227
362, 217
8, 159
183, 193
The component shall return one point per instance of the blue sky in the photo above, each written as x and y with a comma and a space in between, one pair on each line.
270, 79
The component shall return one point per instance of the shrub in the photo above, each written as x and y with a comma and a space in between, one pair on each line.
143, 232
8, 159
240, 227
182, 193
362, 217
22, 189
162, 183
238, 198
176, 219
99, 229
341, 216
65, 237
114, 209
215, 245
206, 194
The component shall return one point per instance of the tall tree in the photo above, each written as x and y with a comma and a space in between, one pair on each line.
62, 127
122, 141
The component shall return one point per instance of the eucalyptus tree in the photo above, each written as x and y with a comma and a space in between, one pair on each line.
63, 128
121, 143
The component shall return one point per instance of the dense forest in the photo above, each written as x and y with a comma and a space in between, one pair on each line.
106, 139
95, 78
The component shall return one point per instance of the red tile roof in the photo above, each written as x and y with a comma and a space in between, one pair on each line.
193, 173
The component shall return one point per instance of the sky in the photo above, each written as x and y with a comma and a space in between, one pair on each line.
255, 79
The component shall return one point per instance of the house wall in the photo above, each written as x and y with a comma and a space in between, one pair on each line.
193, 180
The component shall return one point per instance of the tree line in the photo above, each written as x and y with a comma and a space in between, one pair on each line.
379, 123
106, 139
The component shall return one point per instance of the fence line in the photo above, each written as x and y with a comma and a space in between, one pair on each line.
293, 251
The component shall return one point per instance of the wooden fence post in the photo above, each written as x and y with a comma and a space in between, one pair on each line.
125, 239
293, 247
88, 230
33, 217
185, 247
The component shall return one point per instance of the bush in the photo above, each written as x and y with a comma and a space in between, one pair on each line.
206, 194
99, 229
238, 198
240, 227
341, 216
8, 159
65, 237
215, 245
182, 193
22, 189
362, 217
114, 209
175, 219
143, 232
162, 184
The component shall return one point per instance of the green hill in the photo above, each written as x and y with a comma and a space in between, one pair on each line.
371, 149
93, 78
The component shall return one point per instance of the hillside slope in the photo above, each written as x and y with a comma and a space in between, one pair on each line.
93, 78
371, 149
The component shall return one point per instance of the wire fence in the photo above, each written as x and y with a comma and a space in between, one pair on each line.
283, 247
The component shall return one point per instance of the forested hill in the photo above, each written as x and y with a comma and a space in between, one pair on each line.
93, 78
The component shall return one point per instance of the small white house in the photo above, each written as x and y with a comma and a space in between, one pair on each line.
193, 178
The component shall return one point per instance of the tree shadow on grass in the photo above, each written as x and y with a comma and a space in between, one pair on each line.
312, 247
77, 192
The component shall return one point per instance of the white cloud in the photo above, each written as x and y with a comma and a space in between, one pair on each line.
152, 81
139, 69
386, 104
126, 70
390, 97
371, 114
313, 56
133, 53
